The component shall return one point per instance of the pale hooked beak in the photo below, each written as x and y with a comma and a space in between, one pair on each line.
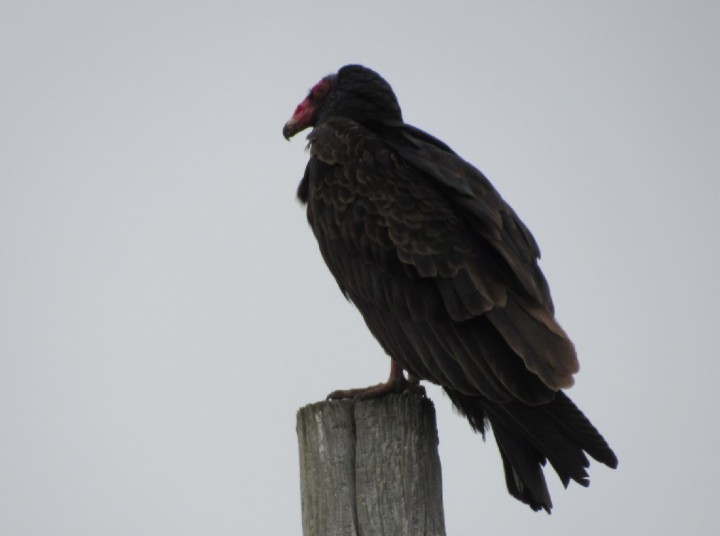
300, 120
290, 128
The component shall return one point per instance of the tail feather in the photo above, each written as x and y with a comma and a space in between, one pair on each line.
542, 437
576, 426
531, 487
529, 436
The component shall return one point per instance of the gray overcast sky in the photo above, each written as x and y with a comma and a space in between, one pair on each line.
164, 310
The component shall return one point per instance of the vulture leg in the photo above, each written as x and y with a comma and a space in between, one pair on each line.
414, 384
396, 383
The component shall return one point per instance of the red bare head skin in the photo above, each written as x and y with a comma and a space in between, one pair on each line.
306, 112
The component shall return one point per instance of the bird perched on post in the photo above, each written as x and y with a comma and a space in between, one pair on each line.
446, 277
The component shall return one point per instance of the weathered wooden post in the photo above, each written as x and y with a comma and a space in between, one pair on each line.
370, 468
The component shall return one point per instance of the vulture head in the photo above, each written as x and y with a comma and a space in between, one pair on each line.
354, 92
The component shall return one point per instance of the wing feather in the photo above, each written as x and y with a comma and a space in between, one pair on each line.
413, 233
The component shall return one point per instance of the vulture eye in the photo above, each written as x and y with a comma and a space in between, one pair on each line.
320, 90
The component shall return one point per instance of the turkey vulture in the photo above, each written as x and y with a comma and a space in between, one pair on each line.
445, 275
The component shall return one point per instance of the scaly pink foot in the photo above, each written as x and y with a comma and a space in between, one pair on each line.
395, 384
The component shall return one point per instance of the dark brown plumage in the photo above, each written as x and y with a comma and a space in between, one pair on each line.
446, 277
